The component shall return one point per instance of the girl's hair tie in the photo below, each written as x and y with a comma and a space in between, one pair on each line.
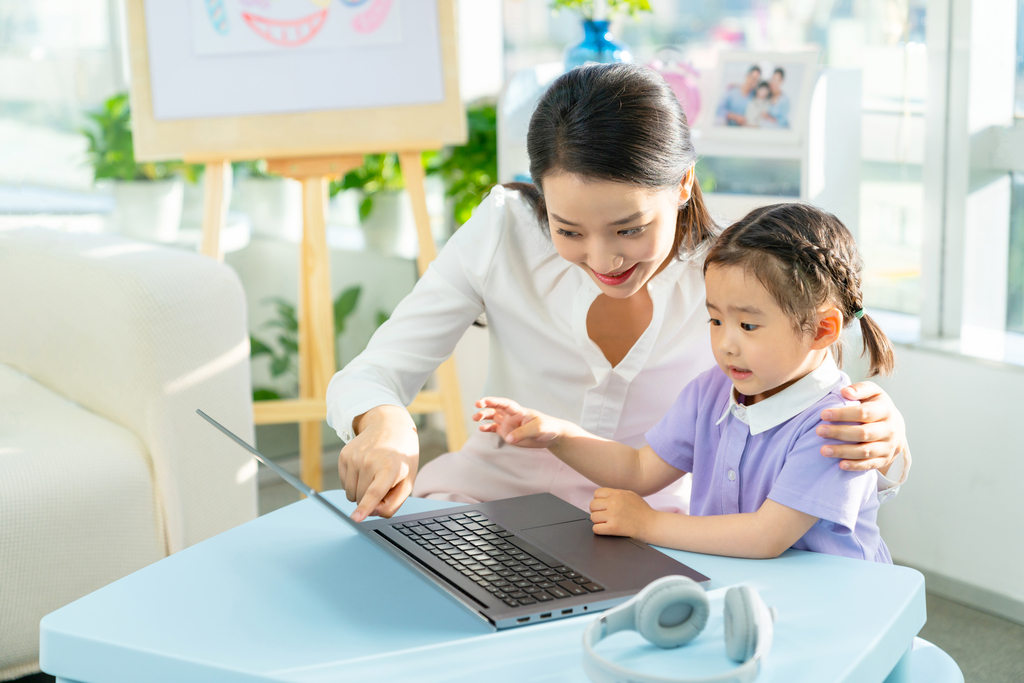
859, 314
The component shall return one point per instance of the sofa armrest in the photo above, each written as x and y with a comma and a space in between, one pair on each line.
142, 335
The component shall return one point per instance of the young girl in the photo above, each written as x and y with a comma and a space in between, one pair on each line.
782, 283
759, 105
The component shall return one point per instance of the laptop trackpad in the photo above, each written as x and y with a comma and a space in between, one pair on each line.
610, 560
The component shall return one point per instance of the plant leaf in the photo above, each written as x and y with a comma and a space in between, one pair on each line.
264, 394
365, 207
289, 344
344, 305
258, 348
280, 365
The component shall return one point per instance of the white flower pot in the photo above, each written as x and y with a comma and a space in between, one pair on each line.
148, 209
390, 229
343, 209
274, 206
192, 211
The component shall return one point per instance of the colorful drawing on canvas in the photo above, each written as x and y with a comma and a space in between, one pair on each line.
231, 27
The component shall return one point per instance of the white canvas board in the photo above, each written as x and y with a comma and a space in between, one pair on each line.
402, 66
232, 27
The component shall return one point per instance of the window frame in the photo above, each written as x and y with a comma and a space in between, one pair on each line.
958, 164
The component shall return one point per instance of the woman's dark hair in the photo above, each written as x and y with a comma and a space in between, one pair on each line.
805, 258
617, 122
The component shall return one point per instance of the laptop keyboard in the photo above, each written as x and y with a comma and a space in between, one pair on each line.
513, 570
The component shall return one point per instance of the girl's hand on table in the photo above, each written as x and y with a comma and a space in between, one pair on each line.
379, 465
615, 512
878, 436
518, 425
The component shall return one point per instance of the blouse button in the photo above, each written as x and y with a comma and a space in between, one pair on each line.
732, 475
346, 436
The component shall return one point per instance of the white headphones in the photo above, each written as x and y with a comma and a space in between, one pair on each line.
671, 612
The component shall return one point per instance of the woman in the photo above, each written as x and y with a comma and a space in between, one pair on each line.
778, 111
591, 281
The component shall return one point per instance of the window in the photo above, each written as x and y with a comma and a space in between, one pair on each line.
884, 39
58, 60
1015, 280
1019, 99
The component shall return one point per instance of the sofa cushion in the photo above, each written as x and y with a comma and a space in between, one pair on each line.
78, 509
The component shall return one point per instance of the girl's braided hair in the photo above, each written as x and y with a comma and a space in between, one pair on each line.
806, 259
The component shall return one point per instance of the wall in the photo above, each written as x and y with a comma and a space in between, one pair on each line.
960, 514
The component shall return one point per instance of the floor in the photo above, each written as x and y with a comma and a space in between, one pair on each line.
988, 649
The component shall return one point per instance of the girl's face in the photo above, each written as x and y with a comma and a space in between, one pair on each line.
755, 343
619, 234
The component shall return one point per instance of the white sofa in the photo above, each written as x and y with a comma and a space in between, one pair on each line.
107, 347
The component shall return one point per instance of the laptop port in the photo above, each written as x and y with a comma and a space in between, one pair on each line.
522, 620
567, 611
546, 615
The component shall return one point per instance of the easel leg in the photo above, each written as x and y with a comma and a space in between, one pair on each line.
447, 376
316, 323
217, 196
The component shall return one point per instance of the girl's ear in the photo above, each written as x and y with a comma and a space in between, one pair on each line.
686, 186
828, 327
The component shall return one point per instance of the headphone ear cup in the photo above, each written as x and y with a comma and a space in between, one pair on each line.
741, 631
673, 613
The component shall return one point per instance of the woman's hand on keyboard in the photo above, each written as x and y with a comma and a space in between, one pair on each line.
379, 465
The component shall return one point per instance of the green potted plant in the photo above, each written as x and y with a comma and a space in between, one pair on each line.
283, 351
469, 171
466, 171
385, 210
148, 196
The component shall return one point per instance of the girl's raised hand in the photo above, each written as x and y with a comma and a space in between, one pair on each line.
517, 425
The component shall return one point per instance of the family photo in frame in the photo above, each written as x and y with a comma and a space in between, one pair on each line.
761, 95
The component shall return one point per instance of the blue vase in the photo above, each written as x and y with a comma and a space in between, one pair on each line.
598, 46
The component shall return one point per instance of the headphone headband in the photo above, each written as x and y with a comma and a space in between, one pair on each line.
660, 601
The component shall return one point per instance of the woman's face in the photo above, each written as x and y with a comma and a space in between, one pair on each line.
619, 234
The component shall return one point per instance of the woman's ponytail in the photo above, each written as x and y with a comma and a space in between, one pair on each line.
532, 195
695, 226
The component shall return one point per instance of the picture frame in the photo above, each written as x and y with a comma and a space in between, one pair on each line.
760, 97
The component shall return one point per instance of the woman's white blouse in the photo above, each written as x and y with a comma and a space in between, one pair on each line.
503, 262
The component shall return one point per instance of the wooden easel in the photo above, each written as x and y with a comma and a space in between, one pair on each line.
316, 314
311, 145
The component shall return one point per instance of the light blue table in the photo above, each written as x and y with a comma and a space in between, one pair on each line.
296, 596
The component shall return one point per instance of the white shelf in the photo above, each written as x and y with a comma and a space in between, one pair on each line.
727, 208
710, 147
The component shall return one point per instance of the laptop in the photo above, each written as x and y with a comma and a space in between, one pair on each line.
511, 562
